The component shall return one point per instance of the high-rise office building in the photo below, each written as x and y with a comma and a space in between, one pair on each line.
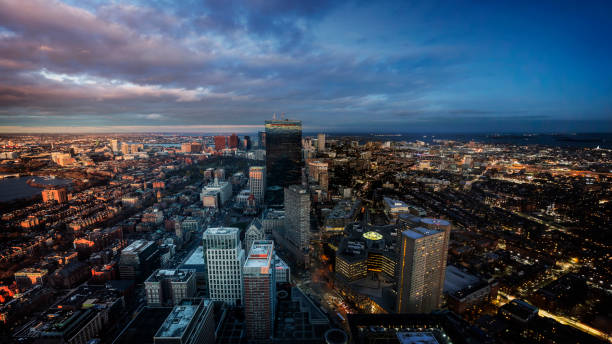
224, 259
444, 226
125, 149
421, 270
115, 146
257, 182
261, 136
220, 142
297, 216
283, 155
259, 290
247, 145
233, 141
321, 142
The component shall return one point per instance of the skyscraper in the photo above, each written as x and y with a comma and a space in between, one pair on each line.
283, 155
233, 141
421, 270
321, 142
220, 142
224, 259
115, 146
444, 226
125, 148
257, 182
259, 290
262, 139
297, 216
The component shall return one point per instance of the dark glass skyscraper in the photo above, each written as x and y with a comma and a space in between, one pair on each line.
283, 156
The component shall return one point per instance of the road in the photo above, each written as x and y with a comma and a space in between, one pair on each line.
565, 320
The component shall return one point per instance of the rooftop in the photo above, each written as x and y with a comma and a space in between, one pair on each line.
416, 338
419, 232
173, 274
179, 319
393, 203
221, 230
260, 255
137, 246
372, 236
272, 214
279, 263
435, 222
456, 279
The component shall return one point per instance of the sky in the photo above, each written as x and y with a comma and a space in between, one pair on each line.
339, 66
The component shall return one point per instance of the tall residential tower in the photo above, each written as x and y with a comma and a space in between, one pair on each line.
421, 270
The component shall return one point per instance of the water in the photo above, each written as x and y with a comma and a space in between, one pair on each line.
16, 188
552, 140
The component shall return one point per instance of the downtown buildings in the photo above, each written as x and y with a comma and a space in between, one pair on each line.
283, 156
297, 216
260, 290
421, 271
170, 287
55, 194
321, 142
190, 322
257, 183
224, 257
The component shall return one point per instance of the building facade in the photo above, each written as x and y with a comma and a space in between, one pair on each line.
421, 270
220, 189
57, 194
224, 259
259, 290
283, 154
257, 182
321, 142
297, 216
138, 259
169, 287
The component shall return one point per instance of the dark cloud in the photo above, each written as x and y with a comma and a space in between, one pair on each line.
230, 61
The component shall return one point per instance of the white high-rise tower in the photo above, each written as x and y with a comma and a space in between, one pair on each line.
224, 258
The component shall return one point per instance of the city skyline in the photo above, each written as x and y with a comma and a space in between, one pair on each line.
74, 67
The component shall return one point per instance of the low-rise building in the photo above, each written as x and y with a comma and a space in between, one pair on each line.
168, 287
190, 322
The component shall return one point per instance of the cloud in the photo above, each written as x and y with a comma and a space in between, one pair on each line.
153, 116
228, 61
